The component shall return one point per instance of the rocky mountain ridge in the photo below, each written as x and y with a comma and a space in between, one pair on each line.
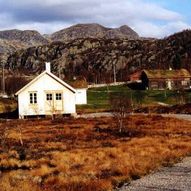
93, 51
17, 39
94, 31
9, 47
96, 59
26, 37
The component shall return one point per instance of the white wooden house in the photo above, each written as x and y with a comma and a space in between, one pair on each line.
46, 95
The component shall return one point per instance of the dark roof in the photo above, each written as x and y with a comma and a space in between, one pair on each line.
182, 73
136, 75
78, 83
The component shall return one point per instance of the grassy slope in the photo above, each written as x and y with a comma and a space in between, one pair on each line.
88, 154
98, 98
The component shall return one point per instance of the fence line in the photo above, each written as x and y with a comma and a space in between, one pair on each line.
106, 84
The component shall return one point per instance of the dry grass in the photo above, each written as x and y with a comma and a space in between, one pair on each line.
88, 154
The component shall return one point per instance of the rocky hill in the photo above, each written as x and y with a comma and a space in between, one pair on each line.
96, 59
12, 40
94, 31
9, 47
28, 37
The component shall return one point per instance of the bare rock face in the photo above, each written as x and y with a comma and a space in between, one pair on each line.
93, 51
93, 31
126, 30
79, 31
7, 46
12, 40
95, 59
28, 37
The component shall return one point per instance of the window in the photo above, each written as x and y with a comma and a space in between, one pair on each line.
58, 96
154, 85
48, 97
184, 83
33, 97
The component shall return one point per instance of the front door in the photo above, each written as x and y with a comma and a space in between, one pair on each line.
58, 101
53, 102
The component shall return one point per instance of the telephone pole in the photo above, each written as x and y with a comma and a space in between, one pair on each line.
114, 71
3, 78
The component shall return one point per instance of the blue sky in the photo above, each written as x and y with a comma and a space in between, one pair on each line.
149, 18
181, 6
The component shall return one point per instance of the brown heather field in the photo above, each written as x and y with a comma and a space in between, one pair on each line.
87, 154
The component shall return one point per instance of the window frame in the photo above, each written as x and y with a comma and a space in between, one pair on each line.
58, 96
33, 98
49, 96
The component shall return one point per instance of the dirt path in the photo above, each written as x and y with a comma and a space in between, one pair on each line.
176, 178
93, 115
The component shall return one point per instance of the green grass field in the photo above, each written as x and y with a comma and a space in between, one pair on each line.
98, 98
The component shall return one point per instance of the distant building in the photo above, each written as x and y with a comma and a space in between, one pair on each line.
46, 95
81, 86
160, 79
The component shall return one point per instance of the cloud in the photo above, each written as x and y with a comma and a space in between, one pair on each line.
148, 29
148, 19
44, 28
5, 20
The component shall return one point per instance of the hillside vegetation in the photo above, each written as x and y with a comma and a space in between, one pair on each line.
96, 59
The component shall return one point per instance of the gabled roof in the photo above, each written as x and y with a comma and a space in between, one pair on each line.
182, 73
136, 75
52, 76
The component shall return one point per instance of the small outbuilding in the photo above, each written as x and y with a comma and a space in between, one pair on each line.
161, 79
46, 95
80, 84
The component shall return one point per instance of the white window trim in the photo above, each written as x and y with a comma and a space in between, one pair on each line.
32, 101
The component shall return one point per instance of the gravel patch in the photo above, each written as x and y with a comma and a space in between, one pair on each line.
176, 178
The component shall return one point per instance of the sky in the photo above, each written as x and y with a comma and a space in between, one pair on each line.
149, 18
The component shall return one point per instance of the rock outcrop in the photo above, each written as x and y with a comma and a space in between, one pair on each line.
96, 59
94, 31
28, 37
12, 40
